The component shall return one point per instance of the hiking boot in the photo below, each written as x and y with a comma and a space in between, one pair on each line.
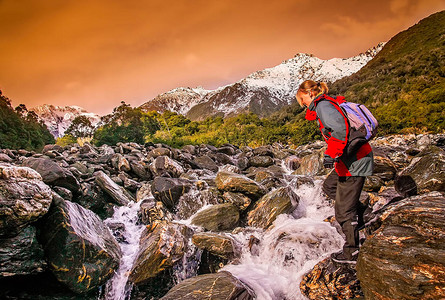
342, 258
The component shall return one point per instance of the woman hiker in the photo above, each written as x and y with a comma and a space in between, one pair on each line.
351, 165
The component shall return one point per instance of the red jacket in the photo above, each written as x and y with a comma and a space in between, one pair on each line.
334, 127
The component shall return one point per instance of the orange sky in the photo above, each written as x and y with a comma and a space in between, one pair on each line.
97, 53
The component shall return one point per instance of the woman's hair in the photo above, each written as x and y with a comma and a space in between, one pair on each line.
313, 87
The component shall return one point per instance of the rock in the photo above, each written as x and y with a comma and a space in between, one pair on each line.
312, 164
280, 201
292, 162
232, 182
189, 149
151, 212
205, 162
191, 202
119, 194
161, 245
405, 186
261, 161
241, 201
230, 168
228, 150
82, 168
156, 152
53, 174
427, 171
218, 286
373, 183
169, 190
165, 166
24, 198
92, 197
329, 280
5, 158
404, 258
384, 168
263, 151
217, 217
79, 247
144, 192
215, 243
120, 163
140, 169
21, 254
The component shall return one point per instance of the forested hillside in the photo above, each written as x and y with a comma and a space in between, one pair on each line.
21, 129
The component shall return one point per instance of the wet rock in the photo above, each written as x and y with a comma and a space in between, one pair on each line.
80, 250
24, 198
232, 182
404, 258
428, 171
215, 243
218, 286
119, 194
218, 217
329, 280
205, 162
230, 168
161, 245
169, 190
292, 162
144, 192
152, 211
405, 186
92, 197
21, 254
312, 164
241, 201
266, 210
52, 173
191, 202
165, 166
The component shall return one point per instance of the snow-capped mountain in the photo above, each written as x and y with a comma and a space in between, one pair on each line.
261, 92
59, 118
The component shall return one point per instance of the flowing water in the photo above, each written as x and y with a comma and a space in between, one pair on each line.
117, 288
272, 267
275, 266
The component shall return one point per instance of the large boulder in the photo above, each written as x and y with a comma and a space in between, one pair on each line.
384, 168
404, 258
205, 162
52, 173
312, 164
329, 280
218, 286
169, 190
22, 254
118, 193
217, 217
24, 198
428, 170
232, 182
161, 245
80, 249
280, 201
166, 166
191, 202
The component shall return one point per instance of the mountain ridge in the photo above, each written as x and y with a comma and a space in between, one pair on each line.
261, 92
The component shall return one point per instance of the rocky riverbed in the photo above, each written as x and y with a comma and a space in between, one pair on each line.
150, 222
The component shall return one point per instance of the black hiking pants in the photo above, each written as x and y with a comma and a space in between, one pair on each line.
348, 208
